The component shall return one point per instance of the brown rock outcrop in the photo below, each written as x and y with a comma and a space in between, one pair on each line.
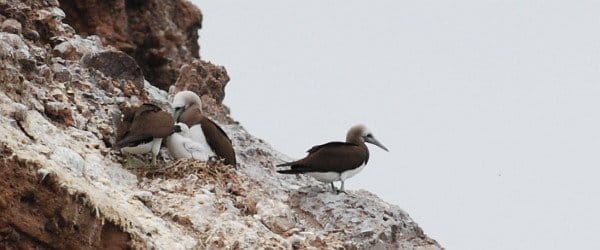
203, 78
161, 35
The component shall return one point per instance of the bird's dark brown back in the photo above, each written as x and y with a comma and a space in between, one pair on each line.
143, 123
333, 156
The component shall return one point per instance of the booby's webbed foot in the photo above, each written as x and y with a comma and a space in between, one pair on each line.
341, 190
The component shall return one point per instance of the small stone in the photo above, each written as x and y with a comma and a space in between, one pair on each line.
62, 75
11, 26
278, 225
53, 3
145, 197
73, 48
3, 203
117, 65
43, 15
366, 232
58, 95
31, 35
51, 226
60, 112
57, 13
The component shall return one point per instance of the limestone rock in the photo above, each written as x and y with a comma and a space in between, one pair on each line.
11, 26
115, 64
74, 48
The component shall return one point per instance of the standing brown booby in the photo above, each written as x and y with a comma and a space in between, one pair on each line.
336, 161
142, 130
188, 109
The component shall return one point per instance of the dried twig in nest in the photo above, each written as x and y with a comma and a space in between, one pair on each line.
217, 174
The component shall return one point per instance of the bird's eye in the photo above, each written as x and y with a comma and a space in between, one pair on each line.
370, 136
178, 108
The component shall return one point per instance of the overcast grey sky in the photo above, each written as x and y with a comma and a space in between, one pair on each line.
490, 109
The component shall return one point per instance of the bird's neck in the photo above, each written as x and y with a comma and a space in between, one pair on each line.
356, 141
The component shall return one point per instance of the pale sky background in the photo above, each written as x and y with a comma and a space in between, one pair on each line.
490, 109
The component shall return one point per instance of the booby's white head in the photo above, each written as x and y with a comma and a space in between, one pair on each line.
360, 133
183, 100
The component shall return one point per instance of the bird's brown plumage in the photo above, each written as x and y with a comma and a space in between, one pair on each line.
330, 157
215, 136
142, 124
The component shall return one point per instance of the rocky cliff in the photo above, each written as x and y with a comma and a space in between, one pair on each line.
67, 67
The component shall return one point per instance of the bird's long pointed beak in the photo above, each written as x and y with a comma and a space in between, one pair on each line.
375, 142
176, 129
177, 113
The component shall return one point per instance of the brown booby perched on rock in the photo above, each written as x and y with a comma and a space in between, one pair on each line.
142, 130
336, 161
188, 109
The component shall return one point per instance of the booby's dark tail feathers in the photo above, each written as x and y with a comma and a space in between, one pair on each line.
289, 171
285, 164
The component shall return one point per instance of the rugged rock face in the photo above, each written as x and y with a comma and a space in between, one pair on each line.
64, 187
161, 35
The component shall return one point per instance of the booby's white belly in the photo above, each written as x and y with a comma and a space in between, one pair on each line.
181, 147
142, 148
349, 173
325, 176
197, 135
335, 176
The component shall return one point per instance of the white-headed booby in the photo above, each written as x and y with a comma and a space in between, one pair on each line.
187, 108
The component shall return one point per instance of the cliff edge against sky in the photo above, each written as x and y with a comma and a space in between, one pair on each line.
67, 67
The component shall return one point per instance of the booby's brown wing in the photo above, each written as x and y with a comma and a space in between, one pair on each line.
124, 123
330, 157
148, 122
218, 141
158, 124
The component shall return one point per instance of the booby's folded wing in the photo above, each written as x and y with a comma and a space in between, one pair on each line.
330, 157
218, 141
133, 140
152, 122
